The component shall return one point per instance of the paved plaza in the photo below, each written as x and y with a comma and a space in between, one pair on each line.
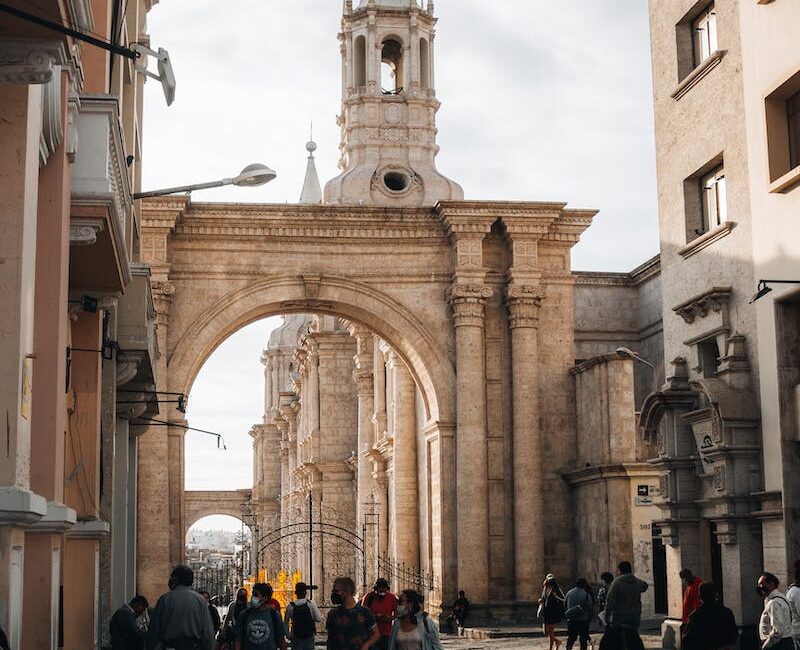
651, 642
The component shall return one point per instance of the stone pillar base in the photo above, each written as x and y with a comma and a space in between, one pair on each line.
671, 634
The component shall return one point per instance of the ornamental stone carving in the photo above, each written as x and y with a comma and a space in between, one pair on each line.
468, 302
523, 305
83, 232
29, 61
715, 300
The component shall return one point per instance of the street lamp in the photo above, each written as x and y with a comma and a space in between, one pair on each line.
630, 354
251, 176
763, 289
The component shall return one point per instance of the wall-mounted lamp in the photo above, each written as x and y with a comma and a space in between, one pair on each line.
630, 354
763, 289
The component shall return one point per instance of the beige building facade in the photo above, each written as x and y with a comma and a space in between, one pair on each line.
725, 424
76, 339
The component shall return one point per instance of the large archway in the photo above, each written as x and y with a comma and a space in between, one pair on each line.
445, 288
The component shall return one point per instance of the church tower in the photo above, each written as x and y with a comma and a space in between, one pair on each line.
389, 106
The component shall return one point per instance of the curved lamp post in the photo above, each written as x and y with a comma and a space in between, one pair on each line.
251, 176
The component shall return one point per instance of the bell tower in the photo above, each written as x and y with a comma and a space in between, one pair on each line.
389, 106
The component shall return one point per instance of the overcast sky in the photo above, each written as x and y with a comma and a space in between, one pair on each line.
541, 100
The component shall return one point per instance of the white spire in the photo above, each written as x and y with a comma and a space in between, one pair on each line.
312, 190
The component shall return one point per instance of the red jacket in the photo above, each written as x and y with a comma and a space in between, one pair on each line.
691, 598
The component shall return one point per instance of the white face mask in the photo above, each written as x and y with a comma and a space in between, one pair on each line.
256, 601
402, 610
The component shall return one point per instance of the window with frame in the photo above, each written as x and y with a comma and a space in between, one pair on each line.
705, 199
714, 199
704, 35
782, 108
793, 120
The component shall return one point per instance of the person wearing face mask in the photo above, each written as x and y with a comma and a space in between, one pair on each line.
779, 621
350, 626
412, 629
125, 634
260, 626
383, 605
226, 636
180, 620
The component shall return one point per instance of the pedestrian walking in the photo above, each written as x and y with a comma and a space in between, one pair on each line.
711, 626
579, 609
123, 629
413, 629
383, 605
793, 596
778, 623
551, 609
624, 601
302, 616
272, 602
602, 596
457, 620
227, 636
350, 626
180, 620
691, 593
260, 627
212, 611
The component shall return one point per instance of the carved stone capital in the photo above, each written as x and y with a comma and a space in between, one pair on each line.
365, 383
163, 293
523, 305
468, 302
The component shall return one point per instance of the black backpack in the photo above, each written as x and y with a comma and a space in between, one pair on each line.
303, 626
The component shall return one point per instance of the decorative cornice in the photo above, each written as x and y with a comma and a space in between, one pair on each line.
715, 299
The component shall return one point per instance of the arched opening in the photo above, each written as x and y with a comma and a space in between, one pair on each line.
333, 349
424, 64
392, 72
218, 550
360, 62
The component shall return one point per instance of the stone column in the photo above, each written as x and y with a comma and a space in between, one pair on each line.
468, 302
366, 406
379, 377
380, 487
176, 444
523, 304
153, 520
405, 474
312, 361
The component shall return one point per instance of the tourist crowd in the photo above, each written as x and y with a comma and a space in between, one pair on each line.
184, 619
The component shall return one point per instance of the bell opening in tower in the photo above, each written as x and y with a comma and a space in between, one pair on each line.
392, 67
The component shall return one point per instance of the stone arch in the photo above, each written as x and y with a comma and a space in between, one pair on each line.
430, 365
201, 504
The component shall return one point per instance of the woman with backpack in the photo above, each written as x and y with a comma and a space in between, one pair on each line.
302, 616
551, 609
412, 629
579, 611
